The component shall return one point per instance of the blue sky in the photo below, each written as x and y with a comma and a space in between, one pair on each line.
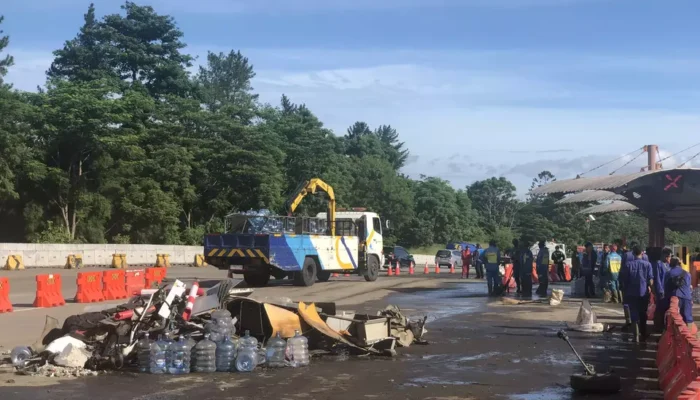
475, 87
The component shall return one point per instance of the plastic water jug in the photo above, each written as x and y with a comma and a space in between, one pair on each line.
20, 355
225, 355
143, 351
247, 357
221, 325
298, 350
205, 355
276, 350
179, 357
158, 363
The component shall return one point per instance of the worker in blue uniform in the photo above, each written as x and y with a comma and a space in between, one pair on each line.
614, 264
604, 273
677, 283
636, 280
478, 262
543, 269
526, 272
492, 259
588, 264
660, 263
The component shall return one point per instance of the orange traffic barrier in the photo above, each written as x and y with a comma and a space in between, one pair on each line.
452, 268
114, 285
154, 276
678, 358
89, 287
508, 281
48, 291
426, 271
567, 272
5, 304
411, 268
135, 281
398, 269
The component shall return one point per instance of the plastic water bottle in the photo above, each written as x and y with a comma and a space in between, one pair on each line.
276, 350
179, 357
20, 355
157, 363
143, 351
247, 357
225, 355
221, 325
298, 350
205, 355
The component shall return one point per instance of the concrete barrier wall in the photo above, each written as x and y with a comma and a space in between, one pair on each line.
54, 255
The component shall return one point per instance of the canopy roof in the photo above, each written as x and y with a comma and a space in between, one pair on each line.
672, 196
615, 206
589, 196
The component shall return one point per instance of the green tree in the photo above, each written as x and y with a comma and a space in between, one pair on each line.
7, 60
225, 85
396, 153
496, 202
141, 49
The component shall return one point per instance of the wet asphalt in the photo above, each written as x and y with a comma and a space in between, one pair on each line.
478, 349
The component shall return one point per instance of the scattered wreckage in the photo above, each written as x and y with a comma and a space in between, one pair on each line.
105, 337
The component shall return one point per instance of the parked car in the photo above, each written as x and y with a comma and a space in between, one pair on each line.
397, 253
448, 257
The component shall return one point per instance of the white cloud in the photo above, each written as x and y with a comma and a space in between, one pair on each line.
471, 115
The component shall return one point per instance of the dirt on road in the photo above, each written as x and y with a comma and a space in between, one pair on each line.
479, 349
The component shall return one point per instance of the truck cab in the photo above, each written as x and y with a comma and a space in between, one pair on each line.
368, 230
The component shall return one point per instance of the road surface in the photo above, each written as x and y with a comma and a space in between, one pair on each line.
479, 349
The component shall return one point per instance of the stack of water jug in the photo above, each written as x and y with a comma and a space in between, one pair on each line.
219, 352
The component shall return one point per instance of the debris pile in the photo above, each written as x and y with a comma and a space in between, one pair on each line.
172, 330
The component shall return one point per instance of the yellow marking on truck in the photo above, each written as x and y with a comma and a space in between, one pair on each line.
212, 252
221, 253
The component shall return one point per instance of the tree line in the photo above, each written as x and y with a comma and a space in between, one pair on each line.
122, 144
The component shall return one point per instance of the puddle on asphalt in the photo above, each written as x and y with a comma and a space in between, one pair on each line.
546, 394
479, 356
425, 381
442, 303
555, 359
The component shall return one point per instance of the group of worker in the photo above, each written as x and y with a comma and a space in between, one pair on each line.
522, 258
629, 277
626, 275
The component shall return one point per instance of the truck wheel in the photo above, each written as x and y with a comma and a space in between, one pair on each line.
372, 272
307, 275
256, 278
323, 276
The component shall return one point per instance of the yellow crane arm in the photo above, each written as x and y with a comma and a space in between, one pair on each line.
311, 186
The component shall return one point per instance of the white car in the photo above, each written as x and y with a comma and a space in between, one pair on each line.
448, 257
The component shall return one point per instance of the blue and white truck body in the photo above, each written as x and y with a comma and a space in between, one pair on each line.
298, 247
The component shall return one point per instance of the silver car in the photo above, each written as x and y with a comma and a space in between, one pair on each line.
448, 257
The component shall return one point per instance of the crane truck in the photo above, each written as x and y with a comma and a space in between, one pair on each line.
303, 248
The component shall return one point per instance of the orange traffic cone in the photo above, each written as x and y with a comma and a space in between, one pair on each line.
334, 275
346, 274
390, 271
426, 271
452, 268
437, 268
398, 269
411, 269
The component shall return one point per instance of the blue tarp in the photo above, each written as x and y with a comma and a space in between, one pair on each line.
463, 245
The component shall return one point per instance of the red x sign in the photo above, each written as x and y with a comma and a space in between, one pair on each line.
673, 182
